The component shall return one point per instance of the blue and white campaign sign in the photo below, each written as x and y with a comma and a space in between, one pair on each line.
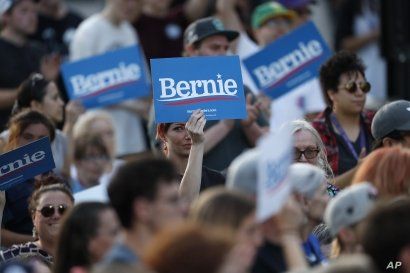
25, 162
273, 186
288, 62
182, 85
108, 78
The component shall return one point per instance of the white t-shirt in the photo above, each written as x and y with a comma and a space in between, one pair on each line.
308, 94
97, 35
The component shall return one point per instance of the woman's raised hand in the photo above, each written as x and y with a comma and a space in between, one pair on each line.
195, 127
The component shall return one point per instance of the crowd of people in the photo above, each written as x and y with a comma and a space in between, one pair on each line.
130, 195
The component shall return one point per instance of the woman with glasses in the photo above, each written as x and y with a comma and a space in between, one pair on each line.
344, 126
47, 204
90, 161
310, 149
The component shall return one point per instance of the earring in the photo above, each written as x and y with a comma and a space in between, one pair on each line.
34, 231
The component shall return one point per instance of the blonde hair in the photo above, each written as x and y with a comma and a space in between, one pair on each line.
84, 122
299, 125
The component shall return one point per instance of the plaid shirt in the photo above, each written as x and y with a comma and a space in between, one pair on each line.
323, 125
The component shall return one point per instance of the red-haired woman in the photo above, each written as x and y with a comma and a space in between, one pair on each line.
184, 144
388, 169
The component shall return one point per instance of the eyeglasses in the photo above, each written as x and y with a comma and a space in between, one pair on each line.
49, 211
96, 158
308, 153
351, 87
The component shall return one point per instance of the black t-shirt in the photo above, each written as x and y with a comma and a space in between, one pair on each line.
346, 160
232, 145
162, 37
56, 34
210, 178
17, 63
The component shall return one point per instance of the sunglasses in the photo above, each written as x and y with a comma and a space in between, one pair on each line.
49, 211
351, 87
308, 153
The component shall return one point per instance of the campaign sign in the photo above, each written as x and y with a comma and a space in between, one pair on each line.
273, 187
182, 85
107, 79
25, 162
288, 62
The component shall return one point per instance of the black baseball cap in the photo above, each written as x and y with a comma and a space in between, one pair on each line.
206, 27
392, 116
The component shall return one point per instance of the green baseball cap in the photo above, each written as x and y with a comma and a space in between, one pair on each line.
269, 10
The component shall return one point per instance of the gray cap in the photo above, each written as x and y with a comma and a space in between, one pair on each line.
350, 206
392, 116
206, 27
306, 178
243, 173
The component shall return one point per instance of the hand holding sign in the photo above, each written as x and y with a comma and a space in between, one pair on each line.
253, 110
195, 127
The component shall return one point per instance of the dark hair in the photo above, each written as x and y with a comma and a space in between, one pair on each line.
342, 62
386, 232
79, 226
83, 142
138, 179
19, 122
32, 89
47, 184
396, 135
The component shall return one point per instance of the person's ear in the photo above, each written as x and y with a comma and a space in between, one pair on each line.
142, 210
331, 94
35, 105
190, 50
389, 142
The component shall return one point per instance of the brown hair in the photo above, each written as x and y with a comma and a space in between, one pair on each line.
162, 129
387, 169
222, 208
186, 249
47, 184
21, 121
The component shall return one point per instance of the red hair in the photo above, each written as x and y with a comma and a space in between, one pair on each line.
387, 169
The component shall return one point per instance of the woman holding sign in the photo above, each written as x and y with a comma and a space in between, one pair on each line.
184, 145
42, 95
25, 127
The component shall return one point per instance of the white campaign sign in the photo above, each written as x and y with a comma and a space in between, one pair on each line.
273, 187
